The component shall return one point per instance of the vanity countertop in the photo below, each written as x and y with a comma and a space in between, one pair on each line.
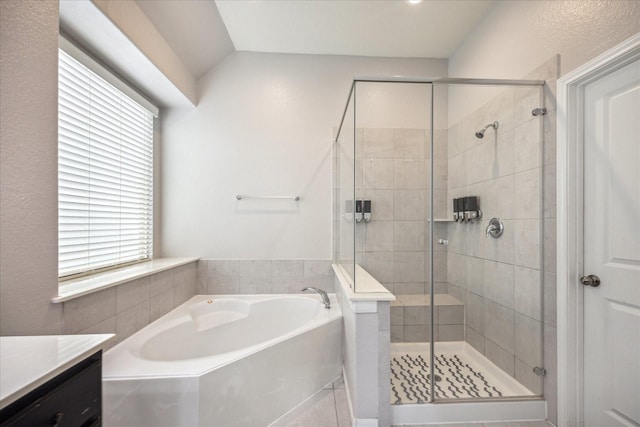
30, 361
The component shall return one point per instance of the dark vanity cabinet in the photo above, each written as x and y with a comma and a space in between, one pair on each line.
71, 399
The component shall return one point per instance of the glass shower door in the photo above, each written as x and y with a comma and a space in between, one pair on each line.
489, 330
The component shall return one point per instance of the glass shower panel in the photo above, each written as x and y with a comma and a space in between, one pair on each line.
392, 162
344, 192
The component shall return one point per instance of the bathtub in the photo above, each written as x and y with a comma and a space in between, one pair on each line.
218, 360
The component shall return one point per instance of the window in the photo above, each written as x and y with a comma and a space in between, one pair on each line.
105, 170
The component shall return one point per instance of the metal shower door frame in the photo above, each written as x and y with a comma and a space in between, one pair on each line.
433, 83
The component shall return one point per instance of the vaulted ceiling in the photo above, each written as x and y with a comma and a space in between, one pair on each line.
204, 32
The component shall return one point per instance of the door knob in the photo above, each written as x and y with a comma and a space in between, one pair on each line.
590, 280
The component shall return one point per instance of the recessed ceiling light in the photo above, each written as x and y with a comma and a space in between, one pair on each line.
414, 1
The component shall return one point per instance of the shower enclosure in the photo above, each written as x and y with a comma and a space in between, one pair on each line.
438, 196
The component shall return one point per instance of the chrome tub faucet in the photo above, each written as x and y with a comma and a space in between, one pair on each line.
323, 294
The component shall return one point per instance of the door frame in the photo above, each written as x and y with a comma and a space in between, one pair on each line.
569, 199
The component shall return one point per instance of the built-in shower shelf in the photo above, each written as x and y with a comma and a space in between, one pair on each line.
440, 220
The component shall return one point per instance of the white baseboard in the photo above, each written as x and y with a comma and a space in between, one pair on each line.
365, 422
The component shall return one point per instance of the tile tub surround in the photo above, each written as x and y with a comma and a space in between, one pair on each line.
128, 307
411, 318
263, 276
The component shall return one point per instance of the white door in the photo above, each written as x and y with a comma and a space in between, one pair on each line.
612, 249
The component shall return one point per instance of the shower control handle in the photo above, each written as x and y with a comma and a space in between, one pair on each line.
590, 280
495, 228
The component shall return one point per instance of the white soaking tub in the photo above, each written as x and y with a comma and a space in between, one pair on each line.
235, 360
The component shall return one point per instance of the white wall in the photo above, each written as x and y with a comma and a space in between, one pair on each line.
517, 36
28, 168
263, 126
395, 105
131, 20
119, 34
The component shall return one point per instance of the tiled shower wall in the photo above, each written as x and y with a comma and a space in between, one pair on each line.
500, 280
127, 308
393, 170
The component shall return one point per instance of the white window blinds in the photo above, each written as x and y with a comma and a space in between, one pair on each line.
105, 173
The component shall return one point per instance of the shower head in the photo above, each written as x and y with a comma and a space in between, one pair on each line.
480, 133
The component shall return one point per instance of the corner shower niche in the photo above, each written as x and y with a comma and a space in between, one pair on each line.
411, 147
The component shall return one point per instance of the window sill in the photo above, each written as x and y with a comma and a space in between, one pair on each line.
75, 288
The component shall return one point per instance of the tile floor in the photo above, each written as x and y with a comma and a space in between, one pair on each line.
500, 424
329, 408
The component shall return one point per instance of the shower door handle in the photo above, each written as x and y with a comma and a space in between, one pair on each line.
590, 280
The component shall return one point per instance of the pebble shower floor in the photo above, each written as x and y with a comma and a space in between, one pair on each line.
460, 372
